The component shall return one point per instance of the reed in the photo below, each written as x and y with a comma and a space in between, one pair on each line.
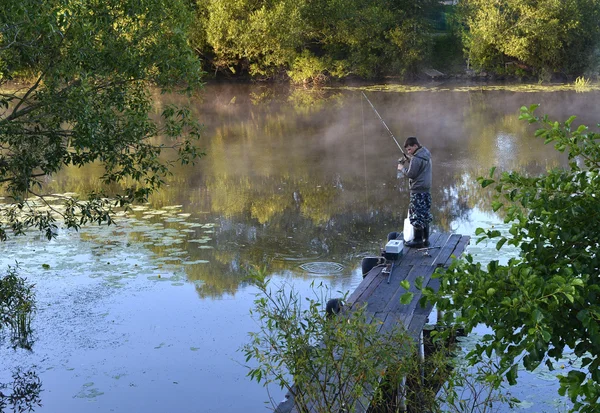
582, 84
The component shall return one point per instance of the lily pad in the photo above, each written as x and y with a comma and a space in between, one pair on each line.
195, 262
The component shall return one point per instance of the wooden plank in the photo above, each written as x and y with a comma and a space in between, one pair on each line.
416, 325
458, 251
434, 283
392, 320
447, 250
394, 302
427, 255
380, 298
413, 256
368, 283
418, 271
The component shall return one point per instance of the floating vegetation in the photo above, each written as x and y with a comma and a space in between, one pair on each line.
195, 262
171, 207
158, 212
322, 267
193, 224
481, 87
167, 259
174, 219
142, 241
138, 208
200, 240
88, 392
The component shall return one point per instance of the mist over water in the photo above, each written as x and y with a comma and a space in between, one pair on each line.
148, 315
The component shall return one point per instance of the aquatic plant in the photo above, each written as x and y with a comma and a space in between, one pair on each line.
582, 84
17, 306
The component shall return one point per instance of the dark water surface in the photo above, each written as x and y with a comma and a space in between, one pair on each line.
148, 315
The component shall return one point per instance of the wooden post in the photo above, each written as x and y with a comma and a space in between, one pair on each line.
401, 403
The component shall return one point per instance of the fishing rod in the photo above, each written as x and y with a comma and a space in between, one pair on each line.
386, 126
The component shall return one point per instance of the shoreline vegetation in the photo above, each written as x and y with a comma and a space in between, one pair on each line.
322, 42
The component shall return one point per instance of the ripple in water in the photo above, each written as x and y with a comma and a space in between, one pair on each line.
322, 267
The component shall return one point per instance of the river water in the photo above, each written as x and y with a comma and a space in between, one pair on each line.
149, 314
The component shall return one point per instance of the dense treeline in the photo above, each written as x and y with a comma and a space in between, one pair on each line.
316, 40
310, 39
540, 37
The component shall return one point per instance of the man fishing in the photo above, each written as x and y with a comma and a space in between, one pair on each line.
418, 172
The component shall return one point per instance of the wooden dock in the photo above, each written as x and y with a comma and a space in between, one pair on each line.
381, 291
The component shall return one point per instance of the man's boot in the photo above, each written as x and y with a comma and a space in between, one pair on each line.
426, 235
417, 241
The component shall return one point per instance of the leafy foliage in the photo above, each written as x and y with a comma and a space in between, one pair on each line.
341, 362
326, 363
313, 39
543, 36
17, 306
88, 66
545, 302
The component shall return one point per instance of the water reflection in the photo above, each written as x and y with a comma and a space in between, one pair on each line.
303, 180
294, 176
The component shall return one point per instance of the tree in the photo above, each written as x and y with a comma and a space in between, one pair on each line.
88, 66
251, 37
546, 301
74, 90
312, 40
544, 36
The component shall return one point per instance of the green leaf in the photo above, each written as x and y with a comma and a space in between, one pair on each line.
406, 298
570, 120
546, 336
486, 182
405, 284
419, 283
512, 373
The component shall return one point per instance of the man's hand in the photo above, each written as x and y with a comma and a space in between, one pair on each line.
402, 161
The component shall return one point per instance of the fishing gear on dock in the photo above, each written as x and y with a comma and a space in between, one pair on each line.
386, 126
427, 248
425, 251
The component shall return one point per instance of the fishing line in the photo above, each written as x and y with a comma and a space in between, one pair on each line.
386, 126
362, 113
